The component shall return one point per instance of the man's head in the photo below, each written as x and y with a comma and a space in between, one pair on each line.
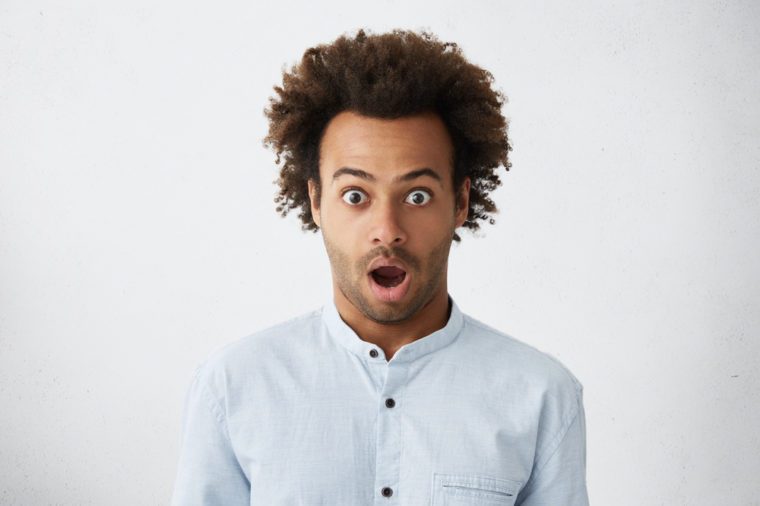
390, 143
388, 210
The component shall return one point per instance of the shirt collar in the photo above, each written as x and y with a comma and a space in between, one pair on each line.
345, 335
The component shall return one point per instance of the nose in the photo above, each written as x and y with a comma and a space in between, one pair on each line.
386, 228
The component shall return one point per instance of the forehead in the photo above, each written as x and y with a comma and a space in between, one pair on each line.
386, 147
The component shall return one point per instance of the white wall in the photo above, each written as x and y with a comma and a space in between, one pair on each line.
138, 232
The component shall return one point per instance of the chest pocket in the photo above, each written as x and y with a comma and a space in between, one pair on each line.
473, 489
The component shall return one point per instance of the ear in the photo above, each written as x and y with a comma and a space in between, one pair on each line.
314, 200
463, 202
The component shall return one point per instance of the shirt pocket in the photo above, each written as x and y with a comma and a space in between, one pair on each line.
473, 489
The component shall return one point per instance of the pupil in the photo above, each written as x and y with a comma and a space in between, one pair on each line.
355, 198
418, 198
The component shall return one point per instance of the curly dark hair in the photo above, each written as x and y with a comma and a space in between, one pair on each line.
388, 75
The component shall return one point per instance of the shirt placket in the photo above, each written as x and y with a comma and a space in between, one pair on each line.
388, 443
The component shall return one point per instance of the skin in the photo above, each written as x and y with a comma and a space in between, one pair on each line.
388, 217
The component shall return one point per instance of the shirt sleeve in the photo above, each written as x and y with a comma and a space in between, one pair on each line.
559, 478
208, 473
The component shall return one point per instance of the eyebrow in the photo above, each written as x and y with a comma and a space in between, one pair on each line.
425, 171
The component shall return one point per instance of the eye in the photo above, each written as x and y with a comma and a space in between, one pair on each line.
419, 197
354, 197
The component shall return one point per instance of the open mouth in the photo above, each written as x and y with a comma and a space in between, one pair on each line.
388, 276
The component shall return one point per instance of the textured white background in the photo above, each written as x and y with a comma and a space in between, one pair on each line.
138, 232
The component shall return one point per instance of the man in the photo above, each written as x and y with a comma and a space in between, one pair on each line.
388, 394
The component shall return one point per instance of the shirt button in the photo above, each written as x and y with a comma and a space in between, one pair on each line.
387, 491
373, 353
389, 403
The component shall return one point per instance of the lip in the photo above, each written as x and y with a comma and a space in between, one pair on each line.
389, 293
392, 293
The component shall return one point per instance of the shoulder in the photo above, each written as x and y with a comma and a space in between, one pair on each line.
227, 363
544, 387
520, 361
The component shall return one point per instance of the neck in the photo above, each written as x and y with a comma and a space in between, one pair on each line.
431, 317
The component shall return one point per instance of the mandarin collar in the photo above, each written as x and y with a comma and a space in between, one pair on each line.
345, 335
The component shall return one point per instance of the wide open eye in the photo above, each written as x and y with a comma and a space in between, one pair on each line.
354, 197
419, 197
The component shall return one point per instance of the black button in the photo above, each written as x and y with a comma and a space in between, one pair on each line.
390, 403
387, 491
373, 353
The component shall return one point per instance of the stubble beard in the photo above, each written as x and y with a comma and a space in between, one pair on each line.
427, 278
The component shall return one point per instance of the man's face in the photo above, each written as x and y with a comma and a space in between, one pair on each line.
388, 210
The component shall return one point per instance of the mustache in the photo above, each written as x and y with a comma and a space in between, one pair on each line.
386, 252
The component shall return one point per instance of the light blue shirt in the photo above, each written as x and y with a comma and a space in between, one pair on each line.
307, 413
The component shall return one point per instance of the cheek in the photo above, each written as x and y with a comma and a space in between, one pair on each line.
433, 225
335, 212
342, 238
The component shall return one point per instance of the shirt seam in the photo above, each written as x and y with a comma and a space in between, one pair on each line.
211, 404
218, 414
556, 441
